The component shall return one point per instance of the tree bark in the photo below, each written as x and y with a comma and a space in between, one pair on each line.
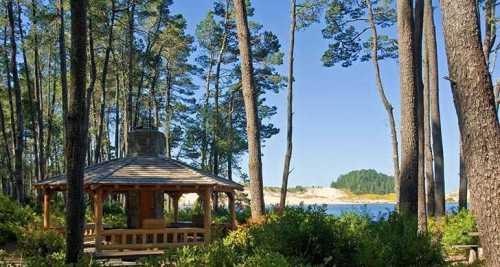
289, 130
216, 133
18, 164
387, 105
204, 146
437, 142
252, 118
480, 132
62, 60
97, 155
463, 188
38, 99
128, 110
428, 159
76, 138
29, 85
117, 118
421, 205
409, 121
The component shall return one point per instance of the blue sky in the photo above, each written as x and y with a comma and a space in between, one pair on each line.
339, 123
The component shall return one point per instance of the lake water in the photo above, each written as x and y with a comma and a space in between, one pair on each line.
373, 210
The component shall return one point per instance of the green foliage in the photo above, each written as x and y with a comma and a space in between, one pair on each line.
13, 217
114, 214
453, 230
57, 259
348, 30
365, 182
310, 237
41, 242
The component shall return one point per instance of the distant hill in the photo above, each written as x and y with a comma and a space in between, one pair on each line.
365, 182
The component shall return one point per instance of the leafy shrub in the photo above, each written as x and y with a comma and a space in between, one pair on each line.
394, 242
12, 218
41, 242
57, 259
264, 258
453, 229
310, 237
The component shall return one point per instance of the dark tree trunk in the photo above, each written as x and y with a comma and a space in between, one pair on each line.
18, 164
39, 93
216, 133
289, 133
480, 132
252, 118
387, 105
230, 137
29, 85
204, 146
437, 142
128, 109
76, 137
409, 119
62, 60
463, 188
97, 155
117, 118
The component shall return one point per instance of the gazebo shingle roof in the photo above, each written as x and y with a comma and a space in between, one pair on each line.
144, 170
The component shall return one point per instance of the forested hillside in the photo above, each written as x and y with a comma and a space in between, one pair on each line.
365, 181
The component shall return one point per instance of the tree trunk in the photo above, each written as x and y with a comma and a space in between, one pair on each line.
387, 105
76, 137
437, 142
204, 146
168, 121
421, 204
97, 155
230, 137
489, 28
409, 123
289, 133
29, 85
62, 60
215, 149
462, 189
129, 115
252, 118
428, 160
480, 132
18, 164
117, 118
38, 93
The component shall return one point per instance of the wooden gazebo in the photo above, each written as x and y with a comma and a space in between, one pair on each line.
144, 176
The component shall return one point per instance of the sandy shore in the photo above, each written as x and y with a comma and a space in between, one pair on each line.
310, 196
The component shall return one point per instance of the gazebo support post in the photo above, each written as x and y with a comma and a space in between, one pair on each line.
98, 218
46, 208
232, 209
207, 213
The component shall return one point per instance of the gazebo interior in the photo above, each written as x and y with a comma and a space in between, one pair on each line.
143, 178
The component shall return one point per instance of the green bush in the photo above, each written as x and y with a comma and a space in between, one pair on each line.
13, 217
310, 237
394, 242
57, 259
453, 229
41, 243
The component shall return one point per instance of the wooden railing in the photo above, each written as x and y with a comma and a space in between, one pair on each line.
138, 239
